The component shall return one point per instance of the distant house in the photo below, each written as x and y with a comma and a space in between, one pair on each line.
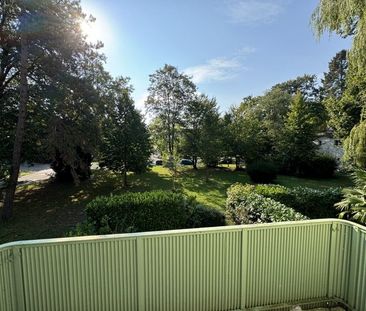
329, 145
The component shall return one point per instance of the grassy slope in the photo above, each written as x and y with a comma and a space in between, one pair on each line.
50, 209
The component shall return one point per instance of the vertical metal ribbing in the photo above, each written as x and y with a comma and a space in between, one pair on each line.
353, 268
7, 284
357, 283
243, 268
199, 271
215, 270
140, 271
331, 266
18, 279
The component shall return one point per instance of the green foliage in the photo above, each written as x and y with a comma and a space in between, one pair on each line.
169, 93
346, 18
211, 140
353, 204
247, 133
67, 202
313, 203
320, 166
297, 141
195, 121
334, 81
202, 216
246, 207
343, 114
145, 211
125, 140
306, 85
66, 72
262, 171
355, 146
148, 211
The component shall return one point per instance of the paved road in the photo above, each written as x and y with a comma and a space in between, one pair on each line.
34, 173
37, 172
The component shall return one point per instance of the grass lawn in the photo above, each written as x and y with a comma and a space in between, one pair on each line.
50, 209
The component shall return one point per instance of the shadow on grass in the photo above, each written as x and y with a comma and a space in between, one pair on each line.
51, 209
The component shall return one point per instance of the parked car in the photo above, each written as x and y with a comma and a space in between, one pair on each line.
159, 162
186, 162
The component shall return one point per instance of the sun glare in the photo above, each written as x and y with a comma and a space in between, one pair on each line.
92, 30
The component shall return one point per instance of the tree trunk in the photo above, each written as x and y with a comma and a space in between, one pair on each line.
125, 178
237, 163
194, 161
19, 134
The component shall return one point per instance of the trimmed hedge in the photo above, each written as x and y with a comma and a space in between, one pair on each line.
321, 166
146, 211
262, 171
247, 207
310, 202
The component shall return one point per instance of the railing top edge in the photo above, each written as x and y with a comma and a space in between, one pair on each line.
98, 238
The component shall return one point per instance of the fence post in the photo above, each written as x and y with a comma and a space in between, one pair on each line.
244, 268
140, 256
18, 279
354, 266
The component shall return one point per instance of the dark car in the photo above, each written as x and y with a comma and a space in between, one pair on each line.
186, 162
159, 162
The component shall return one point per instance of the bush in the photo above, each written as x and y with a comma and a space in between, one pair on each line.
321, 166
246, 207
202, 216
146, 211
313, 203
262, 171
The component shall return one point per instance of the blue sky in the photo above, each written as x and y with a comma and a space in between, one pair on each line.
231, 48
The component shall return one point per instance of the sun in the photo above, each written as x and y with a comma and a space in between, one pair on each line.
92, 31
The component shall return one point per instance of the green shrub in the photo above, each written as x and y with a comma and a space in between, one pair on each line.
262, 171
315, 203
245, 207
310, 202
353, 204
321, 166
146, 211
202, 216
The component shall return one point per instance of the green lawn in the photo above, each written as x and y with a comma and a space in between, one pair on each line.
50, 209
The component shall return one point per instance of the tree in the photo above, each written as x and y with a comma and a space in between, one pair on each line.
255, 125
169, 93
343, 114
194, 118
334, 81
125, 140
355, 146
273, 108
306, 85
346, 18
211, 140
41, 47
297, 143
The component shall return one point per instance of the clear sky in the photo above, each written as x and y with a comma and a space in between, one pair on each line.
231, 48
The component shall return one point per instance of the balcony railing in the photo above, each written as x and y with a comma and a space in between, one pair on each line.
225, 268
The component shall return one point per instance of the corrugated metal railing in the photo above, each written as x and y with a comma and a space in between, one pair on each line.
224, 268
